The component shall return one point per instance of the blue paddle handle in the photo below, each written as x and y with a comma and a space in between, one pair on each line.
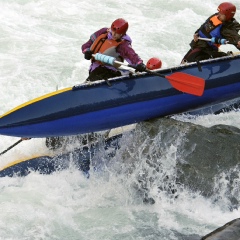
105, 59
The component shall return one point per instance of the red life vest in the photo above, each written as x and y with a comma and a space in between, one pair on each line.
106, 46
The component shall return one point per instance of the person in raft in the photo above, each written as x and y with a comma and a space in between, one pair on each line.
112, 42
220, 28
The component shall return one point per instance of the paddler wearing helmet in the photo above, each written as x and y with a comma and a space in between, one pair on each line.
113, 42
220, 28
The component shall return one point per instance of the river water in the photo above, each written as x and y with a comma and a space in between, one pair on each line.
40, 51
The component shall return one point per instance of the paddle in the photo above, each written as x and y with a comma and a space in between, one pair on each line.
16, 143
181, 81
215, 40
220, 41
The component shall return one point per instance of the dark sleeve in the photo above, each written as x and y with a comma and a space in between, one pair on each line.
126, 51
230, 30
88, 44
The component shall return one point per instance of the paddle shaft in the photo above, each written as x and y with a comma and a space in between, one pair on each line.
111, 61
15, 144
181, 81
160, 75
149, 71
214, 40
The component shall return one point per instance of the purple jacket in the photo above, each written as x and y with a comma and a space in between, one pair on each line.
124, 49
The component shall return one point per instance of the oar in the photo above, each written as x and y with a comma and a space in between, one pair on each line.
220, 41
181, 81
16, 143
215, 40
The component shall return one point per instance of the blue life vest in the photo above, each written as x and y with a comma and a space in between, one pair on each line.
211, 28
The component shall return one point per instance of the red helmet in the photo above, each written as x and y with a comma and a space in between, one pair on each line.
154, 63
228, 9
120, 26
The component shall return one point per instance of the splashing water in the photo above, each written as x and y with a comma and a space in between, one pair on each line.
40, 51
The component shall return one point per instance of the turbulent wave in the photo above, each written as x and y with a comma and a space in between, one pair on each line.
40, 51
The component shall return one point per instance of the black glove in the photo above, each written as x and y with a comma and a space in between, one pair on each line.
88, 55
140, 67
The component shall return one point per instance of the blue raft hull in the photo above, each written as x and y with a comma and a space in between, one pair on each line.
96, 106
79, 158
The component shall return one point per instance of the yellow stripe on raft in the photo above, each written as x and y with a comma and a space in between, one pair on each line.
22, 160
36, 100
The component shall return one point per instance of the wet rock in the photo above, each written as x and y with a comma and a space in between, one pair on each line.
230, 231
204, 160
